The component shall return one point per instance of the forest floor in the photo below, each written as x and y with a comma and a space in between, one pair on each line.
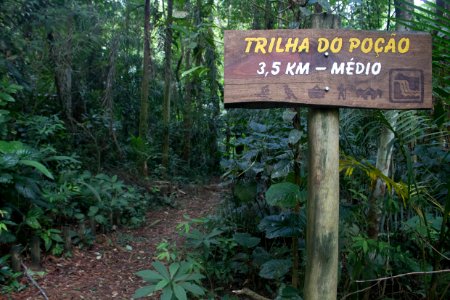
107, 269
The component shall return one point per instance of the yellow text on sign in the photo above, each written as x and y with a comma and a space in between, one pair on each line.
292, 45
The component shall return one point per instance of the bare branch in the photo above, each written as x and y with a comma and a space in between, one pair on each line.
359, 291
31, 279
405, 274
250, 293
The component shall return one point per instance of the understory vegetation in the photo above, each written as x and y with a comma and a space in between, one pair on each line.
106, 104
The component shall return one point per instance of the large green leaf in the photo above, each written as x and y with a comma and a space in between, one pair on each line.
185, 267
150, 275
100, 219
47, 242
11, 147
246, 240
29, 190
92, 189
7, 237
288, 293
167, 294
286, 224
6, 178
173, 269
260, 256
8, 160
163, 284
258, 127
180, 292
294, 136
6, 97
40, 167
193, 288
245, 191
282, 168
57, 237
284, 194
275, 268
144, 291
161, 269
33, 222
189, 277
93, 210
200, 69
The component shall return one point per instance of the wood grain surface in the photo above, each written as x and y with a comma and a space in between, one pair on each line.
365, 69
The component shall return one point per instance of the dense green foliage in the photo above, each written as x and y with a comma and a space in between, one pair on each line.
72, 156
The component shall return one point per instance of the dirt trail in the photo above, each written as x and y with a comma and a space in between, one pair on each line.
106, 271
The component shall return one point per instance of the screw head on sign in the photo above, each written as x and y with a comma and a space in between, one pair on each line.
326, 54
327, 89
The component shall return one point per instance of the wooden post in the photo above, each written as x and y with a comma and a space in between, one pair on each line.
82, 231
16, 260
92, 225
323, 195
67, 238
35, 253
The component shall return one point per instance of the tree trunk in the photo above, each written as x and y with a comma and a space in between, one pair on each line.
82, 231
196, 58
167, 83
385, 146
16, 260
383, 163
280, 10
322, 230
143, 114
211, 59
35, 253
108, 102
187, 114
268, 17
93, 226
61, 54
384, 152
67, 239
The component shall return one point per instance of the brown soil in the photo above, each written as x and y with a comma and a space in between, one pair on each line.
107, 270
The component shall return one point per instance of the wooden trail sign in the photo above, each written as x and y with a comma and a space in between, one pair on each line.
328, 67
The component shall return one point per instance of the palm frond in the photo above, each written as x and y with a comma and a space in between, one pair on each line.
349, 164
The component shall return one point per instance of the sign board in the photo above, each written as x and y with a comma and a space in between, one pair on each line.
329, 67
